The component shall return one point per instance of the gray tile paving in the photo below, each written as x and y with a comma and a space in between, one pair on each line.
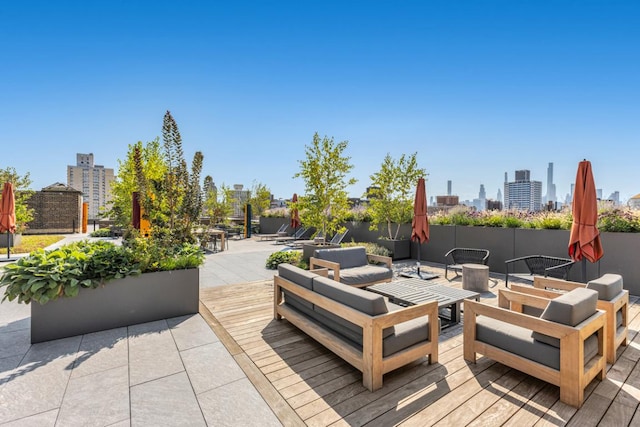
167, 401
96, 400
228, 406
210, 366
171, 372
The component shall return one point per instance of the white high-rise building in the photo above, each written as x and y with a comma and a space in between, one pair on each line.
93, 180
523, 194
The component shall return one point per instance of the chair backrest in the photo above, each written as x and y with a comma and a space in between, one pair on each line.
469, 255
337, 238
282, 228
539, 264
354, 256
300, 232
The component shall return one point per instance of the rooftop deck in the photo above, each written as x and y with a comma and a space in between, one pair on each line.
305, 384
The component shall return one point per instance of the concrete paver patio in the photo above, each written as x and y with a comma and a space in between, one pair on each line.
166, 373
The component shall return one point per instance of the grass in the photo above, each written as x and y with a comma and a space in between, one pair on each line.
31, 243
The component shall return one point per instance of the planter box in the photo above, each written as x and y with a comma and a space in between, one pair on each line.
309, 248
122, 302
400, 249
15, 239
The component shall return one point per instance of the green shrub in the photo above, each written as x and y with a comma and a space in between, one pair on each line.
276, 258
370, 248
619, 220
101, 232
47, 275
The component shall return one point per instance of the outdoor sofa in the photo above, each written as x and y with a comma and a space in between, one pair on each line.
363, 328
352, 265
612, 299
565, 346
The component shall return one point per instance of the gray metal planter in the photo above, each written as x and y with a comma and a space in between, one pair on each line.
400, 249
122, 302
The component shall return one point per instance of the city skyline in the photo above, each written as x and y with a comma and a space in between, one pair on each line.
476, 88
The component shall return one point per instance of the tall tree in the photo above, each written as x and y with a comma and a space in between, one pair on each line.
259, 198
325, 203
392, 192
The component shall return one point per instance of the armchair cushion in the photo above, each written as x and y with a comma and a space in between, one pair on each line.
570, 309
346, 257
608, 286
302, 277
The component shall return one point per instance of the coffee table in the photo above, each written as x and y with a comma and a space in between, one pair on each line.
407, 292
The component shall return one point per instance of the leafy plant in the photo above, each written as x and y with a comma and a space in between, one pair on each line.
276, 258
370, 248
619, 220
391, 195
324, 171
101, 232
22, 194
47, 275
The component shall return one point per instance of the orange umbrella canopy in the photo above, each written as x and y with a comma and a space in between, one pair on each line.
420, 223
585, 237
295, 216
8, 209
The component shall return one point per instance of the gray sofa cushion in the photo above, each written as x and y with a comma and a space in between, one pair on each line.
518, 340
355, 256
364, 274
299, 276
608, 286
570, 309
364, 301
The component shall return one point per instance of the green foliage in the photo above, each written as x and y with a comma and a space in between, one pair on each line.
146, 157
359, 213
47, 275
218, 205
370, 248
393, 191
101, 232
22, 193
259, 198
324, 171
276, 258
276, 213
619, 220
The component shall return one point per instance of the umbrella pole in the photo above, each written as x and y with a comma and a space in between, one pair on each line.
8, 245
584, 270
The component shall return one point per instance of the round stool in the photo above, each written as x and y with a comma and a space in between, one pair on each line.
475, 277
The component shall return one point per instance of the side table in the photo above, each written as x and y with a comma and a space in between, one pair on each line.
475, 277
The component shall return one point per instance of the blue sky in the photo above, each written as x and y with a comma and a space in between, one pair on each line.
476, 88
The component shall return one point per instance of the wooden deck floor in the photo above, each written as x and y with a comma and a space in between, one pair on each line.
305, 384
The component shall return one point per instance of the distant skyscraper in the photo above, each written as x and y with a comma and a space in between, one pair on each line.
93, 180
499, 196
240, 197
615, 196
599, 193
449, 188
506, 178
523, 194
551, 187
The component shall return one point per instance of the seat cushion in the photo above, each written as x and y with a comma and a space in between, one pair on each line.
347, 257
518, 340
359, 299
569, 309
364, 274
608, 286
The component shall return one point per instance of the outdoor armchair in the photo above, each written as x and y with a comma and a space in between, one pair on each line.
564, 346
540, 265
612, 299
458, 256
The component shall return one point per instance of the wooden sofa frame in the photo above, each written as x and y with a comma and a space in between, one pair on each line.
547, 287
369, 360
335, 266
573, 376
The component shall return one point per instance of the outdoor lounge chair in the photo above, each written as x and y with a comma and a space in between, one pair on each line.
299, 234
540, 265
319, 238
280, 233
458, 256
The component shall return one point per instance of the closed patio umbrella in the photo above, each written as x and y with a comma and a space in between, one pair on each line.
8, 214
420, 222
295, 216
584, 242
